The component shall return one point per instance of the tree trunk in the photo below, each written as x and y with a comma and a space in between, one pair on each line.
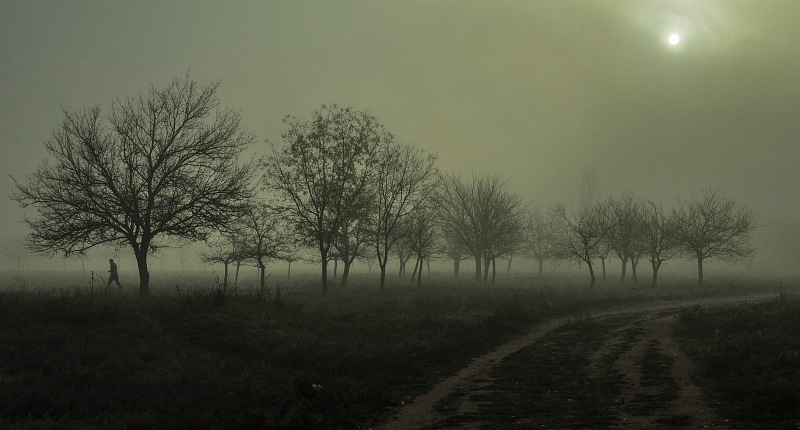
263, 279
419, 273
382, 265
494, 269
289, 273
541, 266
486, 268
591, 275
603, 263
236, 276
478, 258
416, 266
624, 269
335, 267
655, 264
144, 274
225, 277
323, 253
510, 259
699, 270
346, 272
456, 264
635, 280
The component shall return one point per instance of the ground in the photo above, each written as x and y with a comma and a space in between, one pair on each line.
626, 371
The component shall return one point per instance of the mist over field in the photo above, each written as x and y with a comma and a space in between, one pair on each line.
536, 93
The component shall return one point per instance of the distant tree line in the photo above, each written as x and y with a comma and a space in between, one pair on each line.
168, 165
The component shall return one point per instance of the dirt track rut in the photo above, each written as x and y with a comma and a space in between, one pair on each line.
671, 401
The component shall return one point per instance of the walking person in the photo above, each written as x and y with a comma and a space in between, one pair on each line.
113, 275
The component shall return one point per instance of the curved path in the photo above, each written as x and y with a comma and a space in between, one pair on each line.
451, 396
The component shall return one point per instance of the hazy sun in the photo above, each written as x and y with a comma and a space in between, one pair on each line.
674, 39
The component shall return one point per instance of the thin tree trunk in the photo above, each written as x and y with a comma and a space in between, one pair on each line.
236, 276
346, 272
419, 274
541, 266
655, 264
510, 259
603, 263
324, 255
478, 258
624, 269
635, 280
591, 274
494, 269
699, 270
225, 277
456, 266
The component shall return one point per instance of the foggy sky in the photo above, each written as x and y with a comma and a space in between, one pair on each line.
534, 91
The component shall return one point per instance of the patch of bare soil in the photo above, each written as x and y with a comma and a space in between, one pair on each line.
659, 392
640, 366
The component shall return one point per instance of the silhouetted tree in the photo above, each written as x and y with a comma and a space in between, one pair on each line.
584, 232
711, 226
658, 237
165, 164
322, 173
405, 178
225, 248
624, 237
261, 236
421, 237
543, 236
480, 216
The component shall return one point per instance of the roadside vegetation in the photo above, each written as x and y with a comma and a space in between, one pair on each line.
748, 359
210, 357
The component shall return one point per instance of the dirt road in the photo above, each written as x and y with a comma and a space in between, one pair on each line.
656, 390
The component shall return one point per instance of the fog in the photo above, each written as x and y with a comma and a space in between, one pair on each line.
532, 91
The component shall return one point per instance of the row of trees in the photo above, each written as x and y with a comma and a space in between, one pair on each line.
167, 166
707, 226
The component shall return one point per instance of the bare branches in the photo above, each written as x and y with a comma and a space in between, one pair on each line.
711, 226
162, 164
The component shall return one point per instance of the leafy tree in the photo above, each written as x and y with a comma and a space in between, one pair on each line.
712, 226
322, 173
161, 165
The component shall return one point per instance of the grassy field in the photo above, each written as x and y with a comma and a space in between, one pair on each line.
748, 359
201, 357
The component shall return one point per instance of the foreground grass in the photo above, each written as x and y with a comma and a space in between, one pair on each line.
202, 359
748, 359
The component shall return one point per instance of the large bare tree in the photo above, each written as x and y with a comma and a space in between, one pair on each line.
405, 179
164, 164
481, 217
322, 173
712, 226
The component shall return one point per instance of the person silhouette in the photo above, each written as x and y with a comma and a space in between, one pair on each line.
113, 275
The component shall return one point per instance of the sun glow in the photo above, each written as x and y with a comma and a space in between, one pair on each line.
674, 39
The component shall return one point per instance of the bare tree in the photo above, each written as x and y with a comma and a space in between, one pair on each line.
405, 179
481, 217
584, 232
351, 243
261, 238
658, 237
711, 226
543, 235
421, 236
161, 165
323, 172
225, 248
624, 213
